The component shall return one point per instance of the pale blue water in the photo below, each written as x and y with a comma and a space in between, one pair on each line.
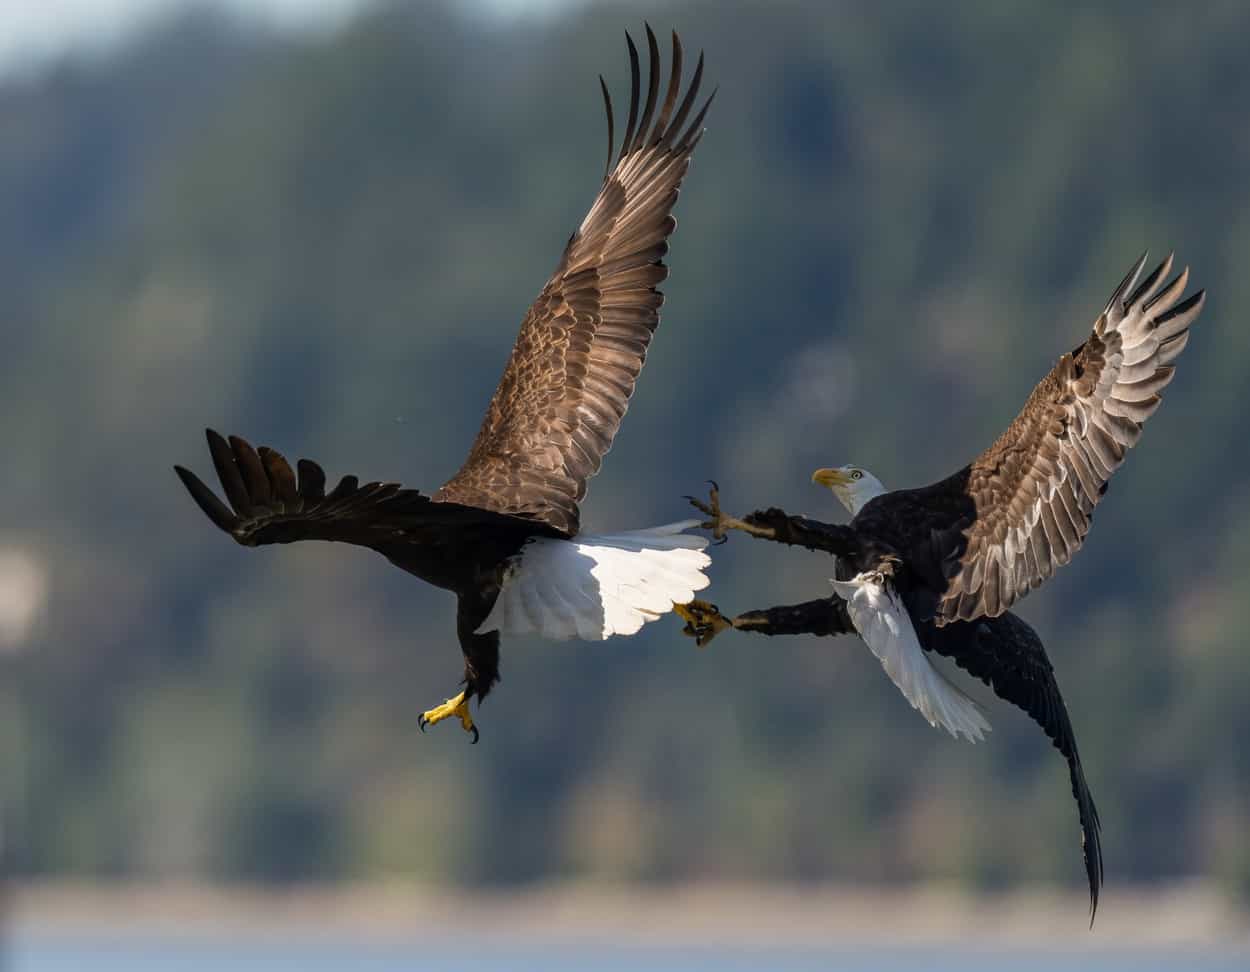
35, 954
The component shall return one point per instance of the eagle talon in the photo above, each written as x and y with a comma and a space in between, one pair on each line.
457, 706
704, 621
717, 522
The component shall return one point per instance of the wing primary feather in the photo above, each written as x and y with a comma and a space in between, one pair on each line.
281, 478
1172, 347
254, 477
695, 131
1184, 307
653, 90
1167, 296
607, 107
228, 473
312, 480
687, 103
1148, 285
635, 86
674, 88
347, 485
207, 500
1128, 281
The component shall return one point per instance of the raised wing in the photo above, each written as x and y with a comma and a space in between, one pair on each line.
1030, 496
1008, 656
584, 340
270, 503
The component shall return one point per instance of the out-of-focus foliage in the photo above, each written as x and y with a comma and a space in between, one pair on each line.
900, 215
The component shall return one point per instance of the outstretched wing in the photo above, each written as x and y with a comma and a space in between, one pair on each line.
1030, 496
1007, 655
584, 340
270, 503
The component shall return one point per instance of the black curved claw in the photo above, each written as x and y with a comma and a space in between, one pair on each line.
688, 498
713, 484
421, 722
721, 542
476, 736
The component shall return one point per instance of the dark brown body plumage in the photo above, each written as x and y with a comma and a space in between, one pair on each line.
554, 415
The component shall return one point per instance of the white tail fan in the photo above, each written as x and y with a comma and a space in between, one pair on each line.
886, 628
594, 587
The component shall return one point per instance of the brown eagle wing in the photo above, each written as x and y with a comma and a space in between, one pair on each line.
1030, 496
268, 502
584, 340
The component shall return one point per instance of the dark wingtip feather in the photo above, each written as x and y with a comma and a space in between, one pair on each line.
1126, 284
347, 485
1152, 280
653, 91
253, 472
207, 500
281, 478
687, 103
1184, 307
695, 132
607, 106
1092, 839
228, 473
635, 87
670, 96
312, 480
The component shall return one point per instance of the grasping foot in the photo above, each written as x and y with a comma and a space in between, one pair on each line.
703, 621
719, 522
457, 706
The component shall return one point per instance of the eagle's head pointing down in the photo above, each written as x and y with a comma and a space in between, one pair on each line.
851, 485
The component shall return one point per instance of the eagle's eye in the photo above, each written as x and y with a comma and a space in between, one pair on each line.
857, 474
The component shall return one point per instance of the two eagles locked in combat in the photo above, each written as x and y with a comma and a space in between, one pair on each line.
918, 571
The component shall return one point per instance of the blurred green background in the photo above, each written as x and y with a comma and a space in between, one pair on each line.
900, 215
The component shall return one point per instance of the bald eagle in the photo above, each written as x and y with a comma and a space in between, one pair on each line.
502, 533
935, 569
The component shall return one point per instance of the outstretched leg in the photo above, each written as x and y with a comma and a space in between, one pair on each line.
481, 667
778, 526
823, 616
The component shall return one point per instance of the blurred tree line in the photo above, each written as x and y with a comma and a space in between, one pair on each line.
901, 214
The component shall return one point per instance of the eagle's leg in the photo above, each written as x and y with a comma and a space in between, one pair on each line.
823, 616
481, 662
720, 523
778, 526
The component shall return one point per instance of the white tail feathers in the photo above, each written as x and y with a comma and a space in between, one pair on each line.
594, 587
886, 628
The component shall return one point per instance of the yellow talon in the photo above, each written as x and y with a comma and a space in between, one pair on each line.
457, 706
703, 621
685, 612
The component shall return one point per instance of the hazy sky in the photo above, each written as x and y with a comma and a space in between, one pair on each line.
32, 31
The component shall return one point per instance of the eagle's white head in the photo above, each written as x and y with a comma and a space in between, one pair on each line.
851, 485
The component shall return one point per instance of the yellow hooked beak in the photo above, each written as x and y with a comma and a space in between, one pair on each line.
830, 478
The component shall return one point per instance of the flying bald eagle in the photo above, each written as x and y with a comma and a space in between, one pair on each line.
502, 533
935, 569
